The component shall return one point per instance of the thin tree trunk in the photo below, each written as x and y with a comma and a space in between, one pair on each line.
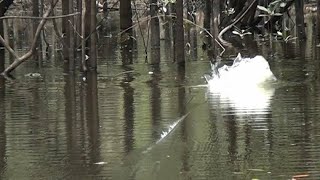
78, 24
93, 36
299, 5
179, 34
318, 19
215, 25
65, 33
174, 29
155, 33
71, 37
83, 34
36, 13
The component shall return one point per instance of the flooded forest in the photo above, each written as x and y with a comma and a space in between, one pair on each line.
160, 89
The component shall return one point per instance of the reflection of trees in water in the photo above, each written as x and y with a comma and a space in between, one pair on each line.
92, 115
82, 125
155, 102
3, 140
128, 107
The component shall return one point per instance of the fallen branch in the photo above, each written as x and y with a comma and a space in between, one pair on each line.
224, 42
23, 58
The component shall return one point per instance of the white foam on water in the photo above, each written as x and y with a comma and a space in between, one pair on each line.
246, 84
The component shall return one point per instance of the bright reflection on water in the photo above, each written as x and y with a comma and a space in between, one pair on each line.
161, 125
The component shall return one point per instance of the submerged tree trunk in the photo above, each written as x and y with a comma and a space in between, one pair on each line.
179, 44
299, 5
155, 33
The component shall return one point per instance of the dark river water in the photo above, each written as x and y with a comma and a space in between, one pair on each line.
142, 122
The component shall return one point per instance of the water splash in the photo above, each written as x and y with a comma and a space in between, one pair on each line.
246, 85
171, 127
243, 72
164, 134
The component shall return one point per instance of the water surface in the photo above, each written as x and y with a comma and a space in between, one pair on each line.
119, 123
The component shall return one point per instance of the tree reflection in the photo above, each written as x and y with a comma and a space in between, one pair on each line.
182, 111
92, 117
70, 117
2, 116
128, 107
232, 130
155, 101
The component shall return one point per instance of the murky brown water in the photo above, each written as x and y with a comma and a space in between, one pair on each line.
114, 126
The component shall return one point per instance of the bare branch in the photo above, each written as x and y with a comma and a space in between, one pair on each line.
23, 58
40, 18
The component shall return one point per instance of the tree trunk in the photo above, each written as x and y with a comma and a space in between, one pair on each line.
318, 19
299, 5
179, 34
4, 5
93, 37
207, 15
2, 62
174, 29
126, 25
65, 33
71, 38
78, 23
215, 25
84, 36
36, 13
155, 33
125, 15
